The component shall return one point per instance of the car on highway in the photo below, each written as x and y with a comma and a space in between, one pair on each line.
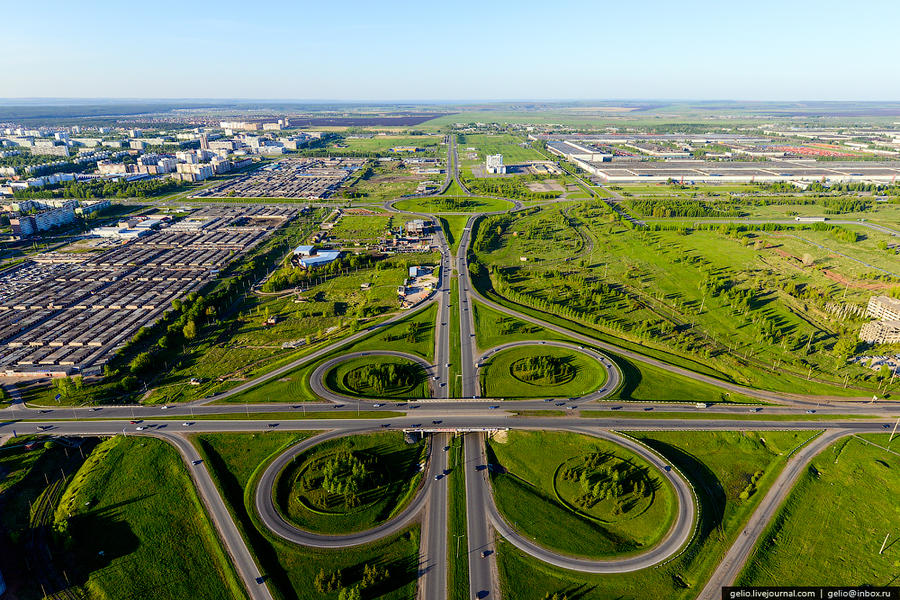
196, 462
485, 553
436, 422
378, 405
385, 424
44, 427
493, 407
164, 407
437, 477
810, 411
436, 377
272, 425
134, 422
446, 448
141, 428
186, 424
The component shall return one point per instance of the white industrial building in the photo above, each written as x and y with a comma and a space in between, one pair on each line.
494, 164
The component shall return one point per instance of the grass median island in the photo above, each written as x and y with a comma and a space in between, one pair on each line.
379, 377
453, 204
453, 226
729, 471
132, 520
830, 528
235, 462
580, 495
533, 371
350, 484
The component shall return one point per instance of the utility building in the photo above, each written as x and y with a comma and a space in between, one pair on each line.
494, 164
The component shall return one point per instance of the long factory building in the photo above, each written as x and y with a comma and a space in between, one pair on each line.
593, 154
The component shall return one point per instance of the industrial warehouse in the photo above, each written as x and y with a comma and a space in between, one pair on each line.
642, 158
308, 178
60, 317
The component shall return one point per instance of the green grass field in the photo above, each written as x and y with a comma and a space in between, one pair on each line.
831, 527
135, 502
493, 328
577, 374
453, 226
641, 381
533, 494
293, 386
457, 534
455, 348
411, 381
382, 144
362, 229
452, 204
720, 465
388, 479
235, 462
664, 291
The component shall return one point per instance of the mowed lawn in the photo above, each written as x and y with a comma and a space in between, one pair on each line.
720, 465
139, 528
830, 529
499, 381
525, 495
452, 204
235, 462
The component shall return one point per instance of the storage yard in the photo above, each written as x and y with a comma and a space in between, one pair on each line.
62, 318
301, 178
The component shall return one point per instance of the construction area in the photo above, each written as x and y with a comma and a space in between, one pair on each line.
67, 317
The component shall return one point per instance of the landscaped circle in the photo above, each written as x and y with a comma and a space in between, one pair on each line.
378, 377
350, 484
453, 204
605, 486
541, 370
578, 494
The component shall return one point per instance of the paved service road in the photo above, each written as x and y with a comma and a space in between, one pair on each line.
433, 563
317, 379
271, 517
482, 552
740, 551
677, 537
613, 375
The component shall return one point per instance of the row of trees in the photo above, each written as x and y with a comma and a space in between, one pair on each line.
101, 188
685, 208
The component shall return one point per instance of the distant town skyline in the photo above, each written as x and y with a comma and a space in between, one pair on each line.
465, 51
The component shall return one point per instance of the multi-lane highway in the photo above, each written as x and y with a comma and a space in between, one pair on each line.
472, 414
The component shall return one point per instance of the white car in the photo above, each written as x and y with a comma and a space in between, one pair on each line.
164, 407
141, 428
186, 424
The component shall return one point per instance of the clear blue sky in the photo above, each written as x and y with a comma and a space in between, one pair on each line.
479, 50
